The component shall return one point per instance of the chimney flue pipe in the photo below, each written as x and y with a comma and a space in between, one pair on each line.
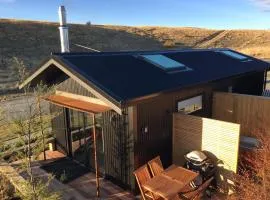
63, 29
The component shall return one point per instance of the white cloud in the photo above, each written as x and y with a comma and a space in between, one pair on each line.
7, 1
262, 4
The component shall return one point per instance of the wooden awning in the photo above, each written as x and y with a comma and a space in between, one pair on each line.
77, 104
83, 104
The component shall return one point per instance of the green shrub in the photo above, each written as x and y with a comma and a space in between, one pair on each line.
63, 178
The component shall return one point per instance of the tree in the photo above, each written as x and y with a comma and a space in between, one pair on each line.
88, 23
40, 92
31, 126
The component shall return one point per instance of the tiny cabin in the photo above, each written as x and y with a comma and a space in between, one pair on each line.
133, 96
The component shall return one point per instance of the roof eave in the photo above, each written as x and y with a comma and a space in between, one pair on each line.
38, 71
136, 100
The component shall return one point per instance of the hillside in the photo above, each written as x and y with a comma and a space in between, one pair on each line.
32, 41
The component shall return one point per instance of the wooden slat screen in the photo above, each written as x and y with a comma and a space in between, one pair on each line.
219, 138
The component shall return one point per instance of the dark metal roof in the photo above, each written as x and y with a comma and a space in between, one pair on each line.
124, 76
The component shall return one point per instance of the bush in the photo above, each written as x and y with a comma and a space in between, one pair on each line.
253, 179
5, 147
64, 177
18, 144
7, 191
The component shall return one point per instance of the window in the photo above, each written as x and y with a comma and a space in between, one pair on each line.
267, 86
165, 63
234, 55
230, 89
81, 125
190, 105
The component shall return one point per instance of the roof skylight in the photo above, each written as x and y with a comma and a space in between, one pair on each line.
234, 55
164, 62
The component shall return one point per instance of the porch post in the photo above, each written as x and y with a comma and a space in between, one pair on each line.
95, 153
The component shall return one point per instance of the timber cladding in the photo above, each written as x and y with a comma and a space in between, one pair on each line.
71, 86
156, 116
252, 112
220, 139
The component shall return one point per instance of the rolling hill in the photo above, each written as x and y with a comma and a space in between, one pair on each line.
32, 41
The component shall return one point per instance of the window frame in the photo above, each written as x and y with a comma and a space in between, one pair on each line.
190, 97
181, 68
230, 89
243, 59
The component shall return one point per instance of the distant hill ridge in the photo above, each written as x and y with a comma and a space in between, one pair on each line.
32, 41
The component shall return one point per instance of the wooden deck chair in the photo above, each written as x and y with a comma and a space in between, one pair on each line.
142, 175
156, 166
190, 193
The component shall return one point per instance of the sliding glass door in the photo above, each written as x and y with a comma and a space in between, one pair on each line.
81, 128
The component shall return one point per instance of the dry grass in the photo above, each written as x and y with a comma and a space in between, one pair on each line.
7, 191
32, 41
253, 179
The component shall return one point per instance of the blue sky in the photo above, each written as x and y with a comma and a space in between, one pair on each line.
216, 14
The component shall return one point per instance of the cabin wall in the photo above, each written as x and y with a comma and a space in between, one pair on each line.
118, 138
71, 86
118, 143
252, 84
154, 115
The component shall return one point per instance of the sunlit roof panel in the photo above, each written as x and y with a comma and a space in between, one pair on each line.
163, 61
234, 55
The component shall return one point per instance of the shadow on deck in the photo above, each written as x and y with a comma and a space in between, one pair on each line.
79, 178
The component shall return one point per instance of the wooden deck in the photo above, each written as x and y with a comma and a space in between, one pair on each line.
86, 186
83, 186
51, 155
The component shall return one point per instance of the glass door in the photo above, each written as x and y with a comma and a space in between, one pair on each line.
77, 135
90, 160
81, 126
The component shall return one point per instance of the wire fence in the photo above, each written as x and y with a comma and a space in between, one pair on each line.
17, 109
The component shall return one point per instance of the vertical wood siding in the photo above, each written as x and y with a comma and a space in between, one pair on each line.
71, 86
252, 112
156, 116
118, 140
